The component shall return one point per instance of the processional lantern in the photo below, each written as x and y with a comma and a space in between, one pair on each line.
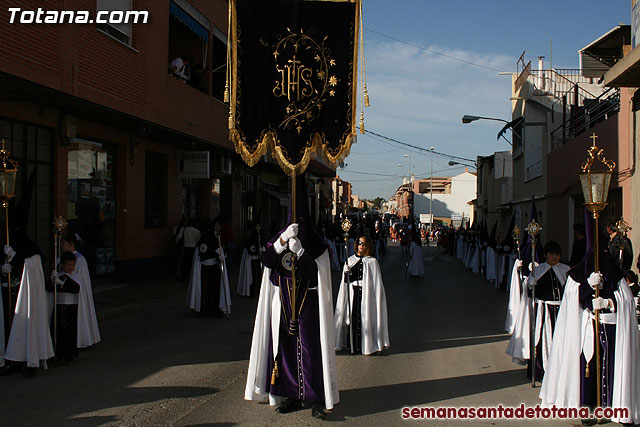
8, 174
595, 187
595, 183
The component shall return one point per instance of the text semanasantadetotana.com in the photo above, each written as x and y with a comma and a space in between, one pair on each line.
506, 412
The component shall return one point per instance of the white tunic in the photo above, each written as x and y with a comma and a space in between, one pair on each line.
373, 311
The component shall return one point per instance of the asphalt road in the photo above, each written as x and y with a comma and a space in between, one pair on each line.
164, 366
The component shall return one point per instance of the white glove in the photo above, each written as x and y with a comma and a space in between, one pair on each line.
279, 247
55, 279
296, 246
290, 232
531, 281
6, 268
9, 252
595, 279
221, 256
602, 304
519, 264
533, 265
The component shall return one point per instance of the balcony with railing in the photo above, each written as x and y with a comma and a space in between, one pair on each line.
586, 117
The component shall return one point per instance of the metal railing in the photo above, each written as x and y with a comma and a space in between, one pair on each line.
562, 83
584, 117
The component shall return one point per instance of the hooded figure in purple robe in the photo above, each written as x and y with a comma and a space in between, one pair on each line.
292, 359
570, 378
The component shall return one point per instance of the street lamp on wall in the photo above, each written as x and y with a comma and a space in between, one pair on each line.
468, 119
509, 125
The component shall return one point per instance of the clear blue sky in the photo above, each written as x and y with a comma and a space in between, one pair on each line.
419, 97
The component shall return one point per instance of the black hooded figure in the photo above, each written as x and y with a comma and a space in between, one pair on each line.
23, 247
29, 338
505, 251
297, 361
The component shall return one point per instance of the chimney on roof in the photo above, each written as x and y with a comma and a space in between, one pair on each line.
466, 170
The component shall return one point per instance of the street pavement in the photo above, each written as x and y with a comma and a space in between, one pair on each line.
159, 364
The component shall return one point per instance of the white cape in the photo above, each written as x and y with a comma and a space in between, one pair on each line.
267, 326
335, 264
375, 329
416, 260
519, 342
245, 277
88, 332
515, 293
30, 339
561, 384
194, 291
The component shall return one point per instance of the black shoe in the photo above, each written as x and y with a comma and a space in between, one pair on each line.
289, 405
318, 411
589, 422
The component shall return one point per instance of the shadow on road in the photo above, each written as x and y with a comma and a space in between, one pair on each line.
374, 400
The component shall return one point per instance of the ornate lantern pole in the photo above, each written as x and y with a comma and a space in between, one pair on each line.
533, 229
595, 187
8, 174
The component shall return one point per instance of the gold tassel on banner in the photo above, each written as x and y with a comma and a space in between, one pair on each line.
230, 119
227, 98
586, 372
364, 70
361, 123
366, 96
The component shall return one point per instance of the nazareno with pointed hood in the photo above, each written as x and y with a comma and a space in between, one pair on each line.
526, 244
299, 363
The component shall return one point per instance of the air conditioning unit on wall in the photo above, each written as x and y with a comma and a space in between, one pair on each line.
222, 165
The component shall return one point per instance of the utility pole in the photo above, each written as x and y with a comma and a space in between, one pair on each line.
431, 196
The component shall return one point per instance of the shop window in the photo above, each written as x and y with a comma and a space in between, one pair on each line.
91, 203
120, 32
18, 136
188, 45
155, 190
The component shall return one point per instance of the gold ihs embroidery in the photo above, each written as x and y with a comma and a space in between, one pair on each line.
295, 80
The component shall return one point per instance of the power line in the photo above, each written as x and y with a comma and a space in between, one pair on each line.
433, 51
421, 149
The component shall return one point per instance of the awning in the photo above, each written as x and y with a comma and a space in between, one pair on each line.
626, 73
181, 15
600, 55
